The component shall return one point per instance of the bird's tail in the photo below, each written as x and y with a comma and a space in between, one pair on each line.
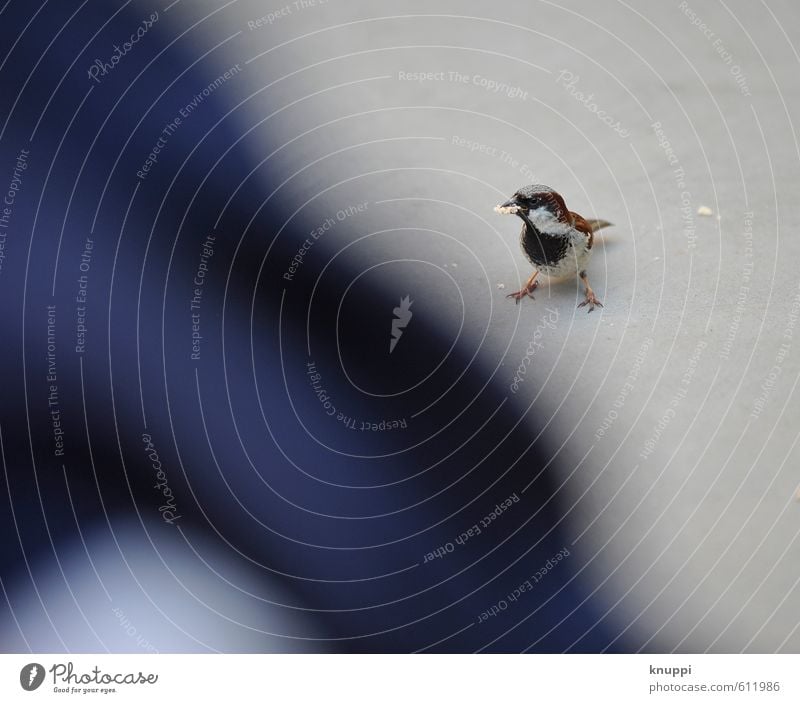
598, 224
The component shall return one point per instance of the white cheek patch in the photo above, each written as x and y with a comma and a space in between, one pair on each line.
510, 210
546, 222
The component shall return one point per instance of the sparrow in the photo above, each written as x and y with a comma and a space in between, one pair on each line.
556, 241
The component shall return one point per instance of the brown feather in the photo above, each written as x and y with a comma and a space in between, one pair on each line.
587, 227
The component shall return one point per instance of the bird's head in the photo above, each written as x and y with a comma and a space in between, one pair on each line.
531, 198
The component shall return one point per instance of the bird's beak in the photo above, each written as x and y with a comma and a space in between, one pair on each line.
510, 207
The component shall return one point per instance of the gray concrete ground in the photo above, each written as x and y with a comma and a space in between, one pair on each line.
674, 409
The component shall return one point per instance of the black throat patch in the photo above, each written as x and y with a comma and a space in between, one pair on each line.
542, 249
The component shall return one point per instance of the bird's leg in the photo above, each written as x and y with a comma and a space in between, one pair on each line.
527, 289
591, 299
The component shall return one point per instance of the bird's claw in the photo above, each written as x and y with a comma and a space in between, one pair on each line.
591, 301
520, 294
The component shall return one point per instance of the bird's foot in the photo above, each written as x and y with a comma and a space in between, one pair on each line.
527, 290
591, 301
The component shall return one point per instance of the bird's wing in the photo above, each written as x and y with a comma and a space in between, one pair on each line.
587, 227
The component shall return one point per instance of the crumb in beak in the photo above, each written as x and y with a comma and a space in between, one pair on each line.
511, 210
